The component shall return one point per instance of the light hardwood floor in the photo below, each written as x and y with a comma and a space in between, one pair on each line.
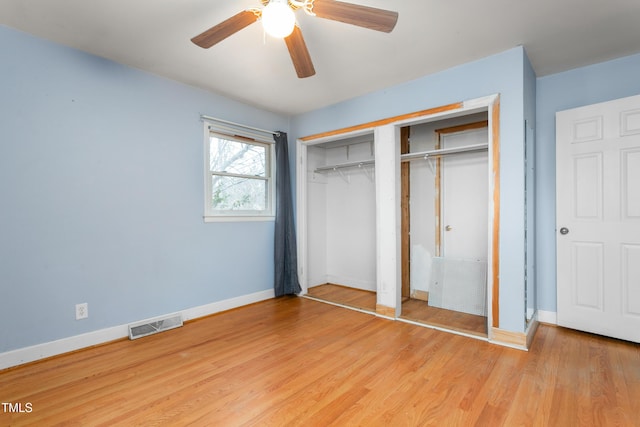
412, 309
351, 297
420, 311
295, 361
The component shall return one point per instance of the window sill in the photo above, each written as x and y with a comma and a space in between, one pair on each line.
239, 218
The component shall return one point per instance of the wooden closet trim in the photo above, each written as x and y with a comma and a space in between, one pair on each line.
461, 128
405, 221
457, 105
495, 256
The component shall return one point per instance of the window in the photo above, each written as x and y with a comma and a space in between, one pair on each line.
239, 178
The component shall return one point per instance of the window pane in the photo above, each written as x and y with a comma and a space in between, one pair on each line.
237, 157
232, 193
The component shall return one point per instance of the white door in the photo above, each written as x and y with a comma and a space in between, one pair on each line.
459, 274
464, 197
598, 218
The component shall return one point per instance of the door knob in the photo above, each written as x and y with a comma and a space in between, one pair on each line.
448, 228
564, 230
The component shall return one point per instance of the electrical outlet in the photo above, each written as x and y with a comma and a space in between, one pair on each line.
82, 311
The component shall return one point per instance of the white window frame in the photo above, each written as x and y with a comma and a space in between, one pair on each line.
214, 215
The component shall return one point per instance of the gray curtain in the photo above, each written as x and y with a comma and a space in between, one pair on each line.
286, 256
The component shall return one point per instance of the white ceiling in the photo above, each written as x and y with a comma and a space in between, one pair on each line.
431, 35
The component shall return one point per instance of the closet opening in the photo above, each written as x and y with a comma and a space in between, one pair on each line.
400, 217
341, 236
444, 223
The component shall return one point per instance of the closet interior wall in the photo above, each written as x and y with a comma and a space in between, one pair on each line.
341, 202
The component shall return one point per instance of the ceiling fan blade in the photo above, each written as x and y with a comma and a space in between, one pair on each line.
299, 54
224, 29
355, 14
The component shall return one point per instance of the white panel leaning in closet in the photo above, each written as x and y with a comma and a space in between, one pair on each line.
341, 223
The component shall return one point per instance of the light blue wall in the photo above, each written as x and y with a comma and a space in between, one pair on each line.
503, 73
583, 86
101, 193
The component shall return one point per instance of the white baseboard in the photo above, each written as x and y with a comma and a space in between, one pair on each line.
550, 317
77, 342
228, 304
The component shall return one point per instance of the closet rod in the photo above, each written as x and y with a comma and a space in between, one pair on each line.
344, 165
410, 156
443, 152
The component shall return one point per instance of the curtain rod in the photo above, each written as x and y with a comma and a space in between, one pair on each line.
213, 119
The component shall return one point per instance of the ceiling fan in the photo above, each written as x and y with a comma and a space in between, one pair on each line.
278, 19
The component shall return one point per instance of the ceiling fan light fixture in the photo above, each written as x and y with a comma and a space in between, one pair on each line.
278, 19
